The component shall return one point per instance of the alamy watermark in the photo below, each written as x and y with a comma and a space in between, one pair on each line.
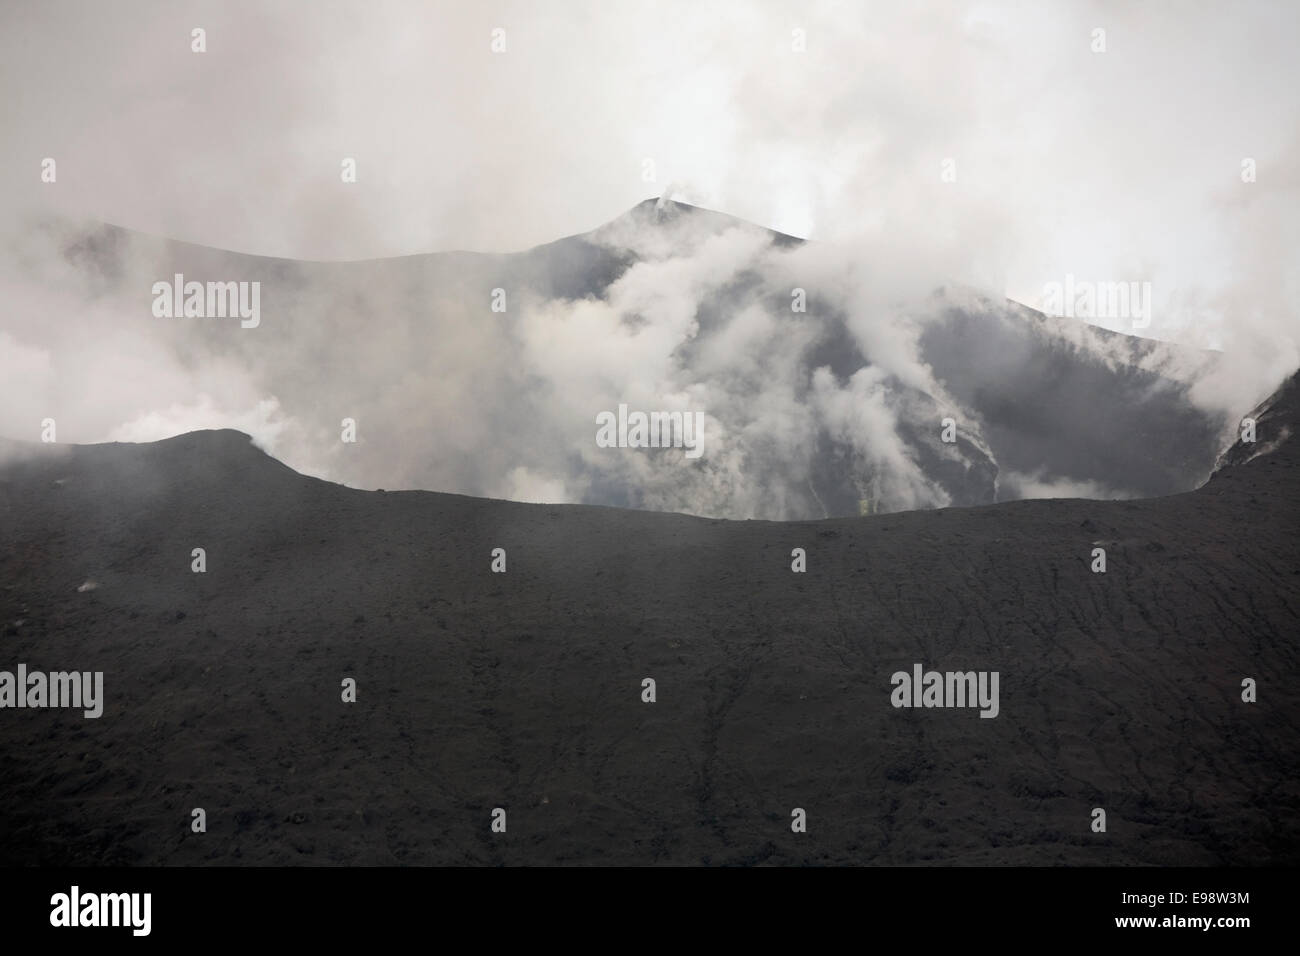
55, 689
212, 300
651, 430
946, 689
75, 908
1076, 298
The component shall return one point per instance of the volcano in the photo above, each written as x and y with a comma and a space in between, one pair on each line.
827, 385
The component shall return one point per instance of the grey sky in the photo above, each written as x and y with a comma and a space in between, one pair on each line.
1107, 166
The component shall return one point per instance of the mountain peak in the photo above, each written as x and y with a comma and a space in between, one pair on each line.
650, 217
1268, 427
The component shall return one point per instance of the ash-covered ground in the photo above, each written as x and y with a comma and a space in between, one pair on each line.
523, 690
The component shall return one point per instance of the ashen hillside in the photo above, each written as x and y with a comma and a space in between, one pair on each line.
477, 690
